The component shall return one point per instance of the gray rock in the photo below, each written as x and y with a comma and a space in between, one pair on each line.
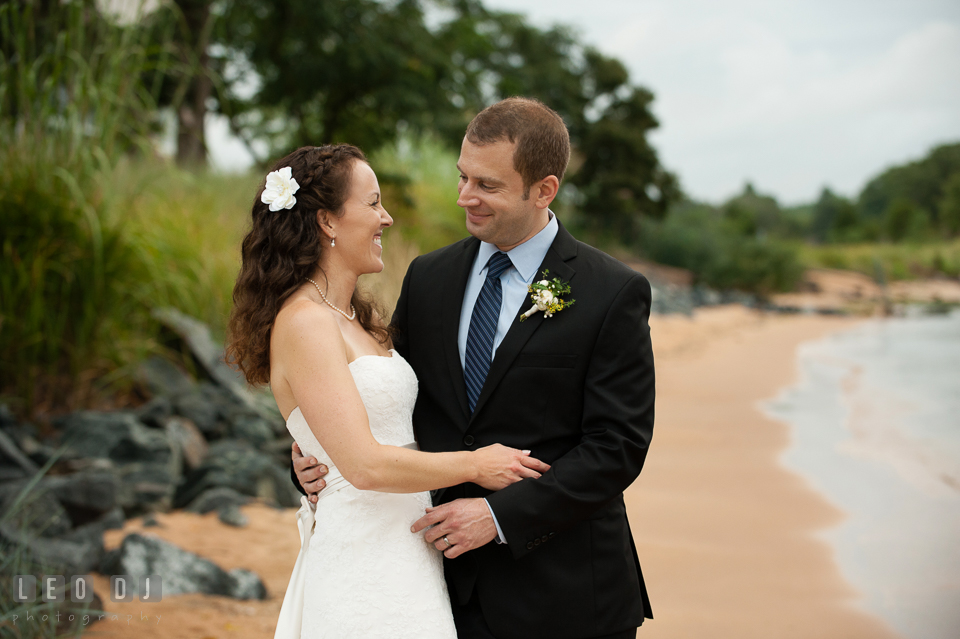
7, 418
185, 436
703, 296
671, 298
210, 354
86, 495
247, 585
238, 465
252, 428
118, 436
217, 498
55, 556
143, 460
146, 486
12, 459
162, 378
232, 516
156, 412
149, 521
182, 571
113, 520
204, 406
89, 537
27, 438
35, 513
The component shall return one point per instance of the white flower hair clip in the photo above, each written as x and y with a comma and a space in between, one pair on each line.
278, 192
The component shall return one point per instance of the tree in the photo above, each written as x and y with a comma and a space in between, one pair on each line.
616, 172
363, 71
835, 219
357, 71
904, 220
949, 206
921, 182
197, 84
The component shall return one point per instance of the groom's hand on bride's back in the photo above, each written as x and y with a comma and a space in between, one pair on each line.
309, 473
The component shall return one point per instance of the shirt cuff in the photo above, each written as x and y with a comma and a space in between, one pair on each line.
500, 538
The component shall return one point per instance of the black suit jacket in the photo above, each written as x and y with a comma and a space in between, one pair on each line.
577, 389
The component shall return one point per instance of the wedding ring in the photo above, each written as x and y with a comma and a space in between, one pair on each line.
447, 541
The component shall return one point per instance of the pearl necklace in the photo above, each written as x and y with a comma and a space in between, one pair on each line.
324, 297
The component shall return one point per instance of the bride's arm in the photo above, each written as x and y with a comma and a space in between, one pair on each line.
311, 352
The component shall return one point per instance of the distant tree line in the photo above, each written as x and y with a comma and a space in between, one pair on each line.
918, 201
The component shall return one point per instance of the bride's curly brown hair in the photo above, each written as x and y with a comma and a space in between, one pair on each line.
283, 249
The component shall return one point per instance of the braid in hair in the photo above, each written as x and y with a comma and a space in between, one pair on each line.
283, 249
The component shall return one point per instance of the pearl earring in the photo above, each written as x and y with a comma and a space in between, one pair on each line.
333, 242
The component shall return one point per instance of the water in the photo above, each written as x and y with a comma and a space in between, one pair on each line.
875, 423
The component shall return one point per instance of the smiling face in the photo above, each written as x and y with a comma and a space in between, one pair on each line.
359, 229
493, 196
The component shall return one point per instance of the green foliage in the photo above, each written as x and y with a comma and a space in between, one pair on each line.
621, 177
368, 73
616, 175
896, 261
70, 106
335, 71
949, 206
701, 239
904, 220
753, 214
921, 182
423, 203
836, 219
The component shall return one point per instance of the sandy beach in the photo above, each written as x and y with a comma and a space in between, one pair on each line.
728, 537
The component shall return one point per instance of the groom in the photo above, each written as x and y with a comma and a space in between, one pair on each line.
551, 557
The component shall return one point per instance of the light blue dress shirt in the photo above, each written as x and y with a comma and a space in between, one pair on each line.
526, 259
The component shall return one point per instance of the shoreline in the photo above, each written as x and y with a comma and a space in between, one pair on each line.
732, 540
874, 418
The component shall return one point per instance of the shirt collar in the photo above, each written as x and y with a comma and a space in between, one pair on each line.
526, 257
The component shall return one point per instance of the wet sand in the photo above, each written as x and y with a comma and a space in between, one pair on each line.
728, 537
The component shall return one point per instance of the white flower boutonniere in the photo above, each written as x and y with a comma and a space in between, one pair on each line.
545, 296
278, 192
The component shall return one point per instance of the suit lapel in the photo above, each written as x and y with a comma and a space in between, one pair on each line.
453, 289
563, 249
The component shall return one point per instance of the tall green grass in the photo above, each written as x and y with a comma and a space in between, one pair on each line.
419, 178
904, 261
71, 105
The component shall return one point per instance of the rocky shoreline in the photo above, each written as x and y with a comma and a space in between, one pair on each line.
201, 443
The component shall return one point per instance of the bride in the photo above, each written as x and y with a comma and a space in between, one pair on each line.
300, 325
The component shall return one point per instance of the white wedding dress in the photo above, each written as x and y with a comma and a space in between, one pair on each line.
364, 574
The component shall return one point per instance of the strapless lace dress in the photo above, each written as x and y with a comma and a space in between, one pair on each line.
366, 574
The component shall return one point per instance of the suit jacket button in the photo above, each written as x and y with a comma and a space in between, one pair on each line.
545, 537
529, 545
536, 542
552, 534
468, 440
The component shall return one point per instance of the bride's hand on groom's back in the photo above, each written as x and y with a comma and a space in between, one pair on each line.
499, 466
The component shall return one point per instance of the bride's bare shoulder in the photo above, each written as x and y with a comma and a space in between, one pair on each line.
303, 321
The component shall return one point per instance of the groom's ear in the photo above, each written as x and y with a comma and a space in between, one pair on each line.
546, 190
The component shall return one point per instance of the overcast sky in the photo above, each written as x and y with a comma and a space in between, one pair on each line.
789, 95
792, 96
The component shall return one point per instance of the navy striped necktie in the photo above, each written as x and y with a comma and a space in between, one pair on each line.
483, 327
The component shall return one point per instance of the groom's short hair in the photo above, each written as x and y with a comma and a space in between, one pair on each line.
542, 139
